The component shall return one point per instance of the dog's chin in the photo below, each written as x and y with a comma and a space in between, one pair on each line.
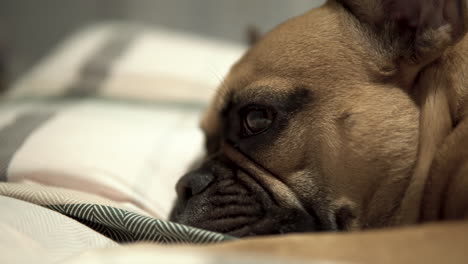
233, 207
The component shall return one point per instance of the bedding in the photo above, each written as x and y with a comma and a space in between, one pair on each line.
51, 238
113, 111
131, 62
114, 221
125, 152
95, 137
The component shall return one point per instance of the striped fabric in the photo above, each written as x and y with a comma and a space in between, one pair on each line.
113, 111
46, 144
131, 62
13, 135
125, 227
127, 152
34, 234
119, 224
102, 128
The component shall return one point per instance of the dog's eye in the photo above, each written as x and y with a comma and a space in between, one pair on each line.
257, 120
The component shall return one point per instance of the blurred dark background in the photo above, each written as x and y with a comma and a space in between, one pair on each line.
30, 28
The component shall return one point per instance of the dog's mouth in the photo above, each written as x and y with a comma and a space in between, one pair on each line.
227, 206
243, 201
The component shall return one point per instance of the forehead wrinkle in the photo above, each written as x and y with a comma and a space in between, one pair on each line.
222, 98
252, 93
264, 94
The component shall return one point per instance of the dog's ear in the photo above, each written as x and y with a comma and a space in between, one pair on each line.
253, 35
422, 29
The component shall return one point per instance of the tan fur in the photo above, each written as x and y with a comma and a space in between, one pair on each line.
427, 244
378, 157
445, 193
442, 91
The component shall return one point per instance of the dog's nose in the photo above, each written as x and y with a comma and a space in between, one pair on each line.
193, 183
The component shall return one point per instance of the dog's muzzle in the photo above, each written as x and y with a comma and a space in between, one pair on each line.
224, 197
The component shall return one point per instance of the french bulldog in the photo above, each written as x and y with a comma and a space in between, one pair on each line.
349, 117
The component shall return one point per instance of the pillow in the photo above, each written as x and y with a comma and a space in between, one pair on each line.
26, 241
131, 62
113, 111
126, 152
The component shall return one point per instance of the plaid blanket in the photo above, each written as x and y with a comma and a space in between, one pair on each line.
114, 221
95, 137
55, 224
131, 62
127, 152
113, 111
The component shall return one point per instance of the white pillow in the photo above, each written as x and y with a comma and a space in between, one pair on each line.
118, 115
125, 152
132, 62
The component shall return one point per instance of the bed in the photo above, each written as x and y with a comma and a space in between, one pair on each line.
94, 139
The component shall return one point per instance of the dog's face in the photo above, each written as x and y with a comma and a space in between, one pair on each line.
310, 131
